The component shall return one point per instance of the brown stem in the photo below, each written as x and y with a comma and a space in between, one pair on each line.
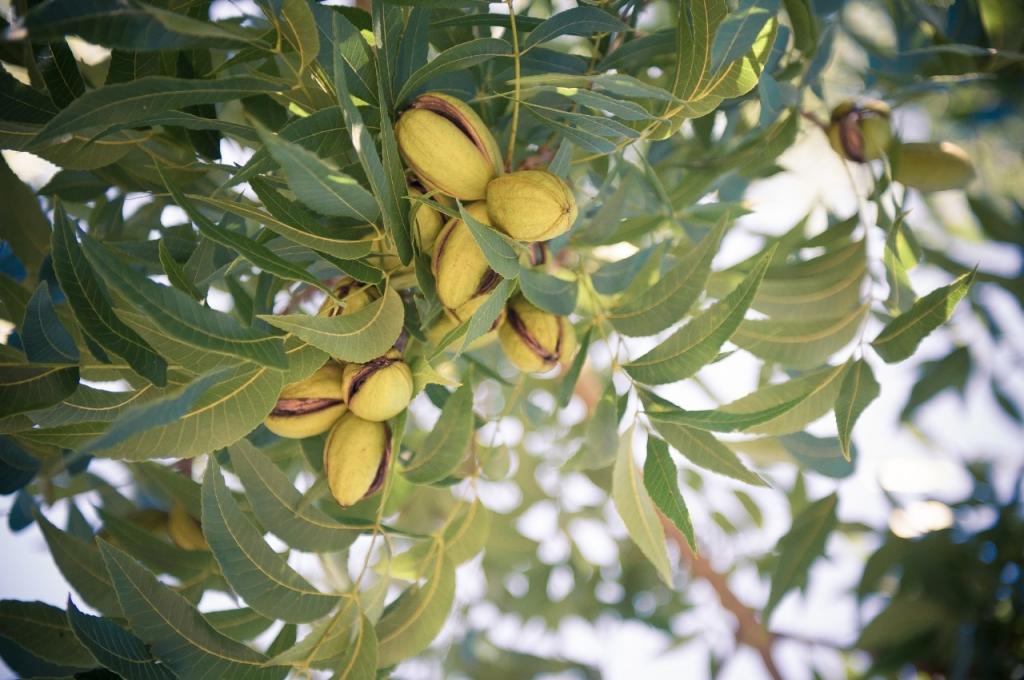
749, 630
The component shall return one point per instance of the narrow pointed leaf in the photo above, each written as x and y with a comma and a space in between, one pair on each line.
27, 387
697, 343
702, 449
257, 573
80, 564
800, 547
550, 293
498, 249
43, 337
176, 633
800, 344
637, 510
901, 336
661, 479
447, 442
222, 415
318, 184
671, 298
859, 388
92, 308
358, 337
278, 505
799, 401
116, 648
456, 58
136, 100
299, 224
255, 252
182, 317
43, 631
411, 622
176, 273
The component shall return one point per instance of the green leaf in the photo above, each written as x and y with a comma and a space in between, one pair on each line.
383, 178
859, 388
583, 20
88, 404
484, 317
294, 222
278, 505
702, 449
550, 293
799, 344
80, 564
25, 387
901, 336
497, 248
45, 340
457, 58
176, 633
819, 287
337, 642
637, 510
255, 252
183, 318
357, 337
601, 435
60, 72
224, 413
906, 620
298, 26
568, 386
91, 306
165, 410
411, 622
800, 547
671, 298
112, 23
157, 554
447, 442
661, 479
43, 631
116, 648
737, 34
24, 227
139, 99
253, 570
17, 468
176, 273
697, 343
240, 624
318, 184
799, 401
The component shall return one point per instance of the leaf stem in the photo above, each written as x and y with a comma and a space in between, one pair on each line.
515, 101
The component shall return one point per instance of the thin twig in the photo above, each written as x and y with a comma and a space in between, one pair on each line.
515, 101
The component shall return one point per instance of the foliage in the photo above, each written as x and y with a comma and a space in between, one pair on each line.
216, 176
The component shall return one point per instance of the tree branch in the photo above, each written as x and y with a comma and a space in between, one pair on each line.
749, 630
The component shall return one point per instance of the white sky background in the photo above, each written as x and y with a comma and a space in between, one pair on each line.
888, 453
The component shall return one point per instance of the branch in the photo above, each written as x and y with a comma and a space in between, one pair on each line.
749, 630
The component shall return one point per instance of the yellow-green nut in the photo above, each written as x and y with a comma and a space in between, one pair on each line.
427, 222
531, 205
933, 166
535, 340
184, 530
354, 296
447, 146
860, 133
356, 457
460, 268
310, 406
379, 389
